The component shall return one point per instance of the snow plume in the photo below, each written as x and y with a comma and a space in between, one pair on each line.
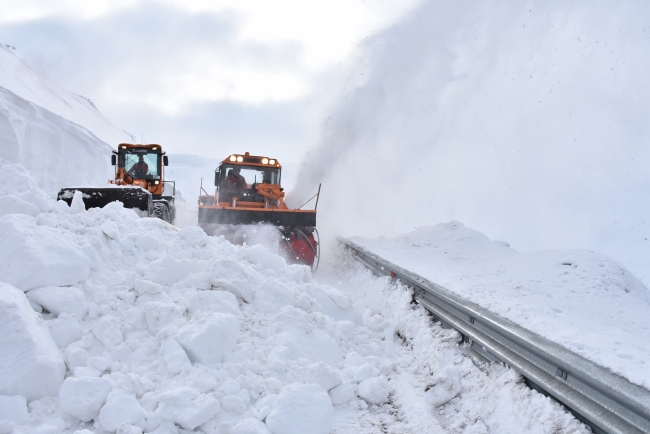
526, 120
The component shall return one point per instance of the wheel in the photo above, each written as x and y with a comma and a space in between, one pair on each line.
161, 211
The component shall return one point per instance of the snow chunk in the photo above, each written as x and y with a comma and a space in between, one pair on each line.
374, 390
147, 242
147, 287
240, 279
274, 295
30, 363
77, 205
260, 255
64, 330
15, 205
186, 407
207, 337
13, 408
58, 300
76, 358
367, 370
250, 426
110, 229
319, 373
175, 357
341, 394
445, 387
301, 408
84, 397
214, 301
109, 331
7, 426
167, 271
159, 315
303, 338
234, 404
121, 407
33, 256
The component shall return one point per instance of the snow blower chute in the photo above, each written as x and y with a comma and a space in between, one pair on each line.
248, 192
139, 183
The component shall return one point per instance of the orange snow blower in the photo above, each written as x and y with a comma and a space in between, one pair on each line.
248, 192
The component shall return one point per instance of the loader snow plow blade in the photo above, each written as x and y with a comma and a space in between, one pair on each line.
234, 216
131, 197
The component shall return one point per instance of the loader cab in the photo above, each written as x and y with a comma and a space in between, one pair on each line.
240, 175
141, 163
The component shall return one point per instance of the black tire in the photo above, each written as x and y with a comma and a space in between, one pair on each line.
161, 211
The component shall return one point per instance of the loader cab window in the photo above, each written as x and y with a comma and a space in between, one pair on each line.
140, 163
236, 180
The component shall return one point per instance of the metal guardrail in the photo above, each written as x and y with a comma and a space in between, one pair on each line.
605, 401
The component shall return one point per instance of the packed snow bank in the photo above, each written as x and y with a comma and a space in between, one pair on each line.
59, 137
580, 299
169, 330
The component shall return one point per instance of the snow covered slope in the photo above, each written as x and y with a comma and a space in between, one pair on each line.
59, 137
580, 299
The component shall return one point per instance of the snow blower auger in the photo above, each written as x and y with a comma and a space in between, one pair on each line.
139, 183
248, 192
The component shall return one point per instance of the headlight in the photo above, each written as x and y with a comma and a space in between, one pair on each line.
265, 161
156, 182
233, 158
272, 162
154, 148
123, 147
240, 159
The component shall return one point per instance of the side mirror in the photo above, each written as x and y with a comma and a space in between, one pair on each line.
113, 160
165, 160
217, 174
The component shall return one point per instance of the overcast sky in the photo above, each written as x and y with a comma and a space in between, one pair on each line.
202, 77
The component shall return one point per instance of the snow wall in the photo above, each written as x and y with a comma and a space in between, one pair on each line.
525, 120
59, 137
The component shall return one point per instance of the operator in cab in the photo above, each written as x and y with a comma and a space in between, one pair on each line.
236, 183
139, 169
